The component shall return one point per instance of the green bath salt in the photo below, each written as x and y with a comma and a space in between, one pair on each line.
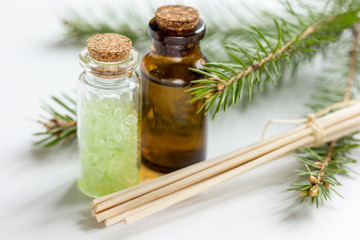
109, 146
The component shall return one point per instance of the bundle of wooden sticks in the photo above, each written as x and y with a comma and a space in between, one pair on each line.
137, 202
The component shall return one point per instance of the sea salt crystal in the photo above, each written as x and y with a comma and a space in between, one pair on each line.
131, 120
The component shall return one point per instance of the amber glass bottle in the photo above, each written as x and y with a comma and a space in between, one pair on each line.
174, 134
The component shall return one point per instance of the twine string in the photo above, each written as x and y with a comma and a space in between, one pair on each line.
318, 130
311, 120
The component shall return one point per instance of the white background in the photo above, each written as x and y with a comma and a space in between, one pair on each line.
39, 198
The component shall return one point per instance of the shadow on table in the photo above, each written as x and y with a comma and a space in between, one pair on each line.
59, 152
286, 206
188, 207
75, 197
289, 209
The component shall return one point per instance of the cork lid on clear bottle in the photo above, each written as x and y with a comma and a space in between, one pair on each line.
109, 48
177, 18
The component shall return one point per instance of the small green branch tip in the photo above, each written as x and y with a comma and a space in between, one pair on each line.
60, 127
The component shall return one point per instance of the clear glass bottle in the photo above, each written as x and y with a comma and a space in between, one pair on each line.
108, 118
174, 134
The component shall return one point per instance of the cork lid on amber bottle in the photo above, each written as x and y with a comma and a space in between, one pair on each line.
109, 47
177, 18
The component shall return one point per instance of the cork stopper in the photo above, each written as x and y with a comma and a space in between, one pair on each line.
109, 47
177, 18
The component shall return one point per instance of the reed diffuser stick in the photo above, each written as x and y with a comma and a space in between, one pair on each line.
171, 199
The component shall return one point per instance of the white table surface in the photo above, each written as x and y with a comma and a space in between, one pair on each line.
39, 197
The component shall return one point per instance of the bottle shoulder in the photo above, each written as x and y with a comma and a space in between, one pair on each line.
169, 69
128, 82
152, 56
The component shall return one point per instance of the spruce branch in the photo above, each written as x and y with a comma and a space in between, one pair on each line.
133, 24
325, 162
60, 127
79, 26
264, 60
353, 62
327, 159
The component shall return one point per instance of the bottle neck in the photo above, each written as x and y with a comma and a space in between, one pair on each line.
108, 74
176, 44
175, 50
100, 81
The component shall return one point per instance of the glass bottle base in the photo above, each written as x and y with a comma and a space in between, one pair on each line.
104, 193
84, 192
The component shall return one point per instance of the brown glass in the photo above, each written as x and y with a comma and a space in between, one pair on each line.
174, 134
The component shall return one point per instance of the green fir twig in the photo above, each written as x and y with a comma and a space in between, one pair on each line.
60, 127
